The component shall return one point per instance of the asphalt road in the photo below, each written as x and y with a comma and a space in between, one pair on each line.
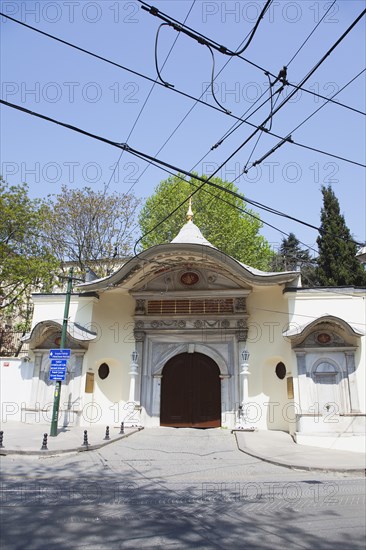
180, 489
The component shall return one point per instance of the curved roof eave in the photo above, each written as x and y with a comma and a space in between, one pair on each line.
303, 329
76, 332
154, 257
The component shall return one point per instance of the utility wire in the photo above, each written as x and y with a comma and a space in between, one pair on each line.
186, 116
161, 164
243, 210
237, 125
149, 158
143, 76
204, 181
202, 39
306, 119
309, 36
147, 99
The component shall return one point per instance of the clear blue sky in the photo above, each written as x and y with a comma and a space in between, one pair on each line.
67, 85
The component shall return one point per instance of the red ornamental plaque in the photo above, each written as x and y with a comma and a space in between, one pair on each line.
189, 278
323, 338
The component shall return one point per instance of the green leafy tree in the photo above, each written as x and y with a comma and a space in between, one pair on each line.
26, 261
337, 262
90, 227
226, 227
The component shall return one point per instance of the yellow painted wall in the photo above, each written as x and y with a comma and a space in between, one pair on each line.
268, 318
112, 320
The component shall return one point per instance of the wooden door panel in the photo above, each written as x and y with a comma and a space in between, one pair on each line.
190, 392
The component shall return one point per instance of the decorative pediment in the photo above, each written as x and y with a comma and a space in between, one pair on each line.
188, 278
47, 335
325, 332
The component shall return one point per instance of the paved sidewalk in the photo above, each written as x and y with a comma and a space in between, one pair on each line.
20, 438
271, 446
279, 448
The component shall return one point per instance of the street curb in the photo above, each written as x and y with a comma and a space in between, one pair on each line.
358, 471
79, 449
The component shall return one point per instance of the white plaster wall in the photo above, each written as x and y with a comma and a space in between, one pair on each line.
351, 307
268, 318
113, 322
51, 307
15, 387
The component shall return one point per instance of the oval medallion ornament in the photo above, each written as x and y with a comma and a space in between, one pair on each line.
57, 341
189, 278
323, 338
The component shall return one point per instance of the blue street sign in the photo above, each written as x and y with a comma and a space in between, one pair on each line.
58, 369
58, 376
58, 363
59, 353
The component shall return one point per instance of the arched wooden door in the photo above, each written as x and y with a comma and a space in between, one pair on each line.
191, 392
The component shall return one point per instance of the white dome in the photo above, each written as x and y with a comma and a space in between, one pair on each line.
191, 234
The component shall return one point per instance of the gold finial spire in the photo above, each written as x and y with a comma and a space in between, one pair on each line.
190, 213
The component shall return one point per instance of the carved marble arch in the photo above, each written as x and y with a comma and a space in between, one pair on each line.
327, 367
190, 348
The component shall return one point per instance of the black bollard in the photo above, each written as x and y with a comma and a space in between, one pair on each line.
1, 439
122, 430
44, 443
107, 433
85, 442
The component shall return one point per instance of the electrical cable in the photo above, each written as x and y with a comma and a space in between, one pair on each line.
312, 32
188, 113
212, 82
243, 210
308, 117
261, 15
184, 94
149, 158
202, 39
305, 79
236, 125
144, 105
143, 76
241, 121
125, 146
167, 84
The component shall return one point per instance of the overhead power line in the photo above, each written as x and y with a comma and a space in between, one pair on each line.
149, 158
202, 39
197, 100
303, 122
150, 79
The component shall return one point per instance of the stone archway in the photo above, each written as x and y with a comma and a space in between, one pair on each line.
191, 392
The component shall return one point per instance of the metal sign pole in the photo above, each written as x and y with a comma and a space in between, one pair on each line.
57, 393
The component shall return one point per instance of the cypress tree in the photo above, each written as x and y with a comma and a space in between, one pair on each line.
337, 262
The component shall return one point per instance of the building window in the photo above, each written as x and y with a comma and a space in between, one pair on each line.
280, 371
103, 371
190, 307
